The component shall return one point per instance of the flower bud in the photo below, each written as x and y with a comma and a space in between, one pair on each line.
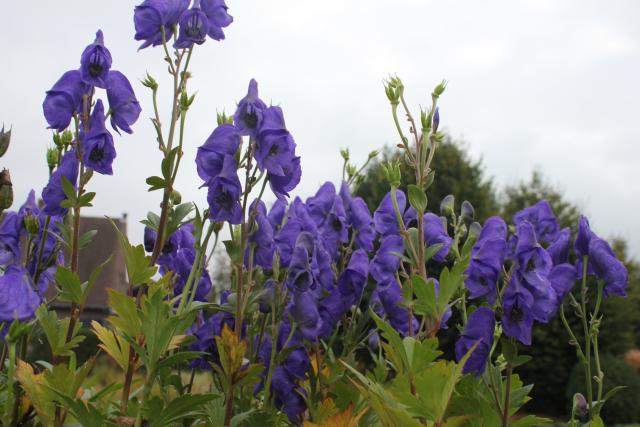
436, 119
32, 224
447, 205
66, 138
580, 409
425, 120
474, 230
439, 90
175, 197
373, 341
53, 155
467, 212
374, 153
267, 296
394, 89
5, 139
6, 190
217, 226
150, 82
392, 173
345, 154
223, 119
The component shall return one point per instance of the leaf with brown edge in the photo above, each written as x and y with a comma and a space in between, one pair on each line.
343, 419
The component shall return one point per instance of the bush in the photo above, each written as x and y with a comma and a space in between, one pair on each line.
624, 407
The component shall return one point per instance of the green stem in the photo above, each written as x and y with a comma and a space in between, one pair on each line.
11, 396
594, 334
587, 337
507, 396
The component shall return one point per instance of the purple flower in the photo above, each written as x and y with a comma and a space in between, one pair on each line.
151, 15
386, 262
435, 233
305, 313
298, 220
562, 278
64, 100
281, 185
398, 315
542, 218
359, 218
218, 18
248, 115
384, 218
224, 193
95, 63
479, 330
18, 300
331, 310
223, 141
328, 213
354, 278
261, 238
10, 228
607, 267
559, 249
194, 26
288, 396
53, 194
581, 245
125, 108
487, 256
276, 214
517, 304
267, 296
98, 150
300, 277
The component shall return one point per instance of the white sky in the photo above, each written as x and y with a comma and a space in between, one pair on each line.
552, 85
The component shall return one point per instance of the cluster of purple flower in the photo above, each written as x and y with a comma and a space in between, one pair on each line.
29, 257
156, 22
71, 97
537, 277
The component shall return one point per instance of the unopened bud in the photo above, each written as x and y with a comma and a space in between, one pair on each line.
6, 190
222, 119
150, 82
217, 226
447, 205
392, 173
345, 153
474, 230
53, 155
580, 408
5, 139
32, 224
66, 138
467, 212
374, 153
175, 197
436, 119
439, 90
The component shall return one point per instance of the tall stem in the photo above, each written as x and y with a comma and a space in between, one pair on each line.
507, 397
587, 335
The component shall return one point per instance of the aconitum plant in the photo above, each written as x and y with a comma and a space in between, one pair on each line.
332, 312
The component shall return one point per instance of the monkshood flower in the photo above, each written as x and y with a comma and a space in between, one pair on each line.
276, 214
354, 278
543, 220
223, 141
435, 233
224, 193
559, 249
602, 262
327, 211
385, 219
218, 18
64, 100
487, 257
359, 219
386, 262
289, 397
275, 152
151, 16
260, 238
125, 108
517, 306
562, 278
331, 310
45, 267
298, 220
98, 151
18, 300
300, 277
194, 26
479, 332
248, 115
304, 311
398, 315
95, 63
10, 228
53, 194
267, 296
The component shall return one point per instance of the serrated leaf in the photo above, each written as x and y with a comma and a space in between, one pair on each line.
69, 285
86, 238
115, 346
185, 406
127, 319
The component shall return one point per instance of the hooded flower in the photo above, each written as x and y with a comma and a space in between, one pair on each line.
328, 213
152, 15
607, 267
559, 249
386, 262
248, 115
289, 396
218, 18
125, 108
95, 63
10, 228
384, 218
98, 150
18, 300
64, 100
300, 277
305, 313
435, 233
359, 218
260, 238
517, 305
543, 220
281, 185
224, 193
398, 315
194, 26
223, 141
478, 332
53, 194
354, 278
487, 256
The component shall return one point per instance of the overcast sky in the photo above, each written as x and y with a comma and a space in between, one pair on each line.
552, 85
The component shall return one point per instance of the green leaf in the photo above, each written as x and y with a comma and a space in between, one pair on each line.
395, 350
233, 250
138, 268
417, 198
178, 358
185, 406
426, 300
69, 190
156, 183
86, 199
450, 282
86, 238
69, 285
127, 319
